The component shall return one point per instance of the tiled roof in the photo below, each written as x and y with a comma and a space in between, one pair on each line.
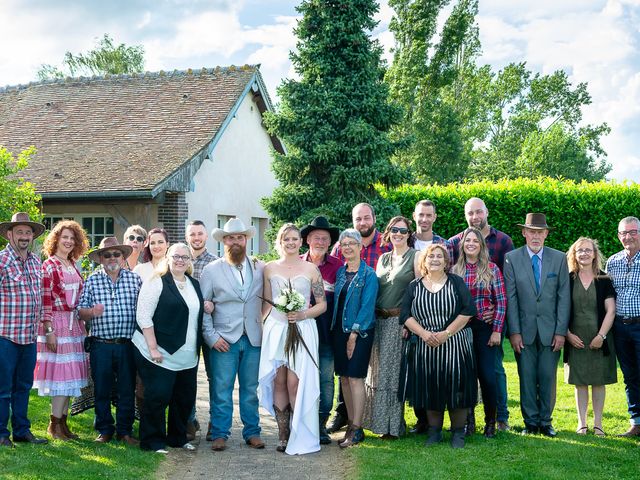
117, 133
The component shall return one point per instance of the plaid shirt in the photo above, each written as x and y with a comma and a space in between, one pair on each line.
53, 293
626, 281
498, 244
119, 300
486, 298
370, 253
204, 259
20, 296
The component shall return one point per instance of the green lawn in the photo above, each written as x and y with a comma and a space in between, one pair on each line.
81, 459
510, 455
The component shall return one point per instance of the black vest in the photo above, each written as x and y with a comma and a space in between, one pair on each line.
171, 317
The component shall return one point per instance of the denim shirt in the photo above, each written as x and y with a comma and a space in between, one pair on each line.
359, 307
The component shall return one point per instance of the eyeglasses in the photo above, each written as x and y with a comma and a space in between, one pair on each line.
348, 244
138, 238
631, 233
108, 255
584, 250
400, 230
184, 258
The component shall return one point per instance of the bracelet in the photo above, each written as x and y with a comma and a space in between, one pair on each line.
449, 334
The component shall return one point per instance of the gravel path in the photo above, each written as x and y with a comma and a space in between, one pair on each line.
239, 461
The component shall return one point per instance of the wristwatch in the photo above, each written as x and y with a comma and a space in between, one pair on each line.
48, 330
604, 337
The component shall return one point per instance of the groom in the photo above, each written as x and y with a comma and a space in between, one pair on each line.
233, 331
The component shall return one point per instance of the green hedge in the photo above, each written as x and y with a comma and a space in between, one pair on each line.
572, 209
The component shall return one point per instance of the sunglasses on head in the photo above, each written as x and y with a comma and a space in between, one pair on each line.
401, 230
108, 255
138, 238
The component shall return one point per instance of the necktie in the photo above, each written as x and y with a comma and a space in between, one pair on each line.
535, 263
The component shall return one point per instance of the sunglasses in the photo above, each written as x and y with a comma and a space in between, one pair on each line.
138, 239
108, 255
401, 230
184, 258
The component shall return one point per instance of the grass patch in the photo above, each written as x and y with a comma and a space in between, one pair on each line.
510, 455
78, 460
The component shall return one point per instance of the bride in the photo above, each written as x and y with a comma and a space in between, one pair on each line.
289, 385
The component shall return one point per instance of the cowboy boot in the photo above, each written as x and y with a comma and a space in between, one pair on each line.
283, 418
325, 439
55, 429
66, 429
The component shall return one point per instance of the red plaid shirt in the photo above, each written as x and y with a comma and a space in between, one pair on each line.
53, 293
371, 253
20, 296
486, 298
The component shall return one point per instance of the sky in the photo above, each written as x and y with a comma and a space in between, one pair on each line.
594, 41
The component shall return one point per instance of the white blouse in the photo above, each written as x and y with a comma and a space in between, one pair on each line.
145, 270
186, 356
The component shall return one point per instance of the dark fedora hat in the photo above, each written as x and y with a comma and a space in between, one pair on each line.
320, 223
535, 221
21, 218
110, 243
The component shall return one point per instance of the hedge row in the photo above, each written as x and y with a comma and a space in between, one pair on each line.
572, 209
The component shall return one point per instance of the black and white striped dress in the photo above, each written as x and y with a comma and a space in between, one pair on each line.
443, 377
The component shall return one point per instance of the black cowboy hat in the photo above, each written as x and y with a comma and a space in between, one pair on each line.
320, 223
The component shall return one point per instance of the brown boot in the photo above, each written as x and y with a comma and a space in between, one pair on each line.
66, 429
55, 429
347, 432
283, 418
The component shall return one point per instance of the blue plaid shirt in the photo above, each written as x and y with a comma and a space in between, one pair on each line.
119, 300
626, 281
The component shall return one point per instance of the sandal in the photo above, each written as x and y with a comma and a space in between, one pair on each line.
582, 430
598, 432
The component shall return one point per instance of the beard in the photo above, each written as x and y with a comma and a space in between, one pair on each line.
367, 232
112, 267
235, 254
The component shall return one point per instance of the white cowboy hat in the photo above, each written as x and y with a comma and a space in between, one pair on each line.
234, 226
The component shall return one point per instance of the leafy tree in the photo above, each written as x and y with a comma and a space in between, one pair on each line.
106, 58
16, 195
335, 120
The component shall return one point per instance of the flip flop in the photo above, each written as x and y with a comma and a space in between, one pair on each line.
582, 431
598, 432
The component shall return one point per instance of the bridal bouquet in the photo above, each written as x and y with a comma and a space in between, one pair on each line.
290, 300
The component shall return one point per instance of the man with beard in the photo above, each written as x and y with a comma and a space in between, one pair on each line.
20, 312
196, 237
109, 300
498, 244
364, 221
233, 331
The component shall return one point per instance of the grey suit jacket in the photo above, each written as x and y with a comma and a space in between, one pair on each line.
234, 312
545, 313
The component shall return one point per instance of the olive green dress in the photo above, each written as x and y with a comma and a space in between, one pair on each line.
586, 366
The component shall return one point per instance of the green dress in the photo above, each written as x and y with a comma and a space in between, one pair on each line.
586, 366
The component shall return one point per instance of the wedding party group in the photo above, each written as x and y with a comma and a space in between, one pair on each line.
401, 316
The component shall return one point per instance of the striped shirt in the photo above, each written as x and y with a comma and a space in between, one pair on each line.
20, 296
119, 300
625, 274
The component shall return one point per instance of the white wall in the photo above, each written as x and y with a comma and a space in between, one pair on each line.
237, 175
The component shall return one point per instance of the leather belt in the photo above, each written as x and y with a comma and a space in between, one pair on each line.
626, 320
117, 341
387, 312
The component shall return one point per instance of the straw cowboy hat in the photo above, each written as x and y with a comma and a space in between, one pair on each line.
234, 226
535, 221
320, 223
110, 243
21, 218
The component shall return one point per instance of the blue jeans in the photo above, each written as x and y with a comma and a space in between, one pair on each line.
17, 363
207, 368
627, 342
242, 360
108, 360
501, 386
326, 378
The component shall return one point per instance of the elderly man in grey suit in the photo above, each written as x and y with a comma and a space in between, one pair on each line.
233, 331
537, 282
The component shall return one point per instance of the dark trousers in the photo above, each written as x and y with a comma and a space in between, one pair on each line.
165, 388
108, 360
16, 379
627, 342
486, 366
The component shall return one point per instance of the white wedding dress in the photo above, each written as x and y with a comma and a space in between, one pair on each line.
304, 436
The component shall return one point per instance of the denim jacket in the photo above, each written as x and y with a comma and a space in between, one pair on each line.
359, 306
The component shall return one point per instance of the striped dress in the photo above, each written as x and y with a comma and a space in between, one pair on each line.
443, 377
